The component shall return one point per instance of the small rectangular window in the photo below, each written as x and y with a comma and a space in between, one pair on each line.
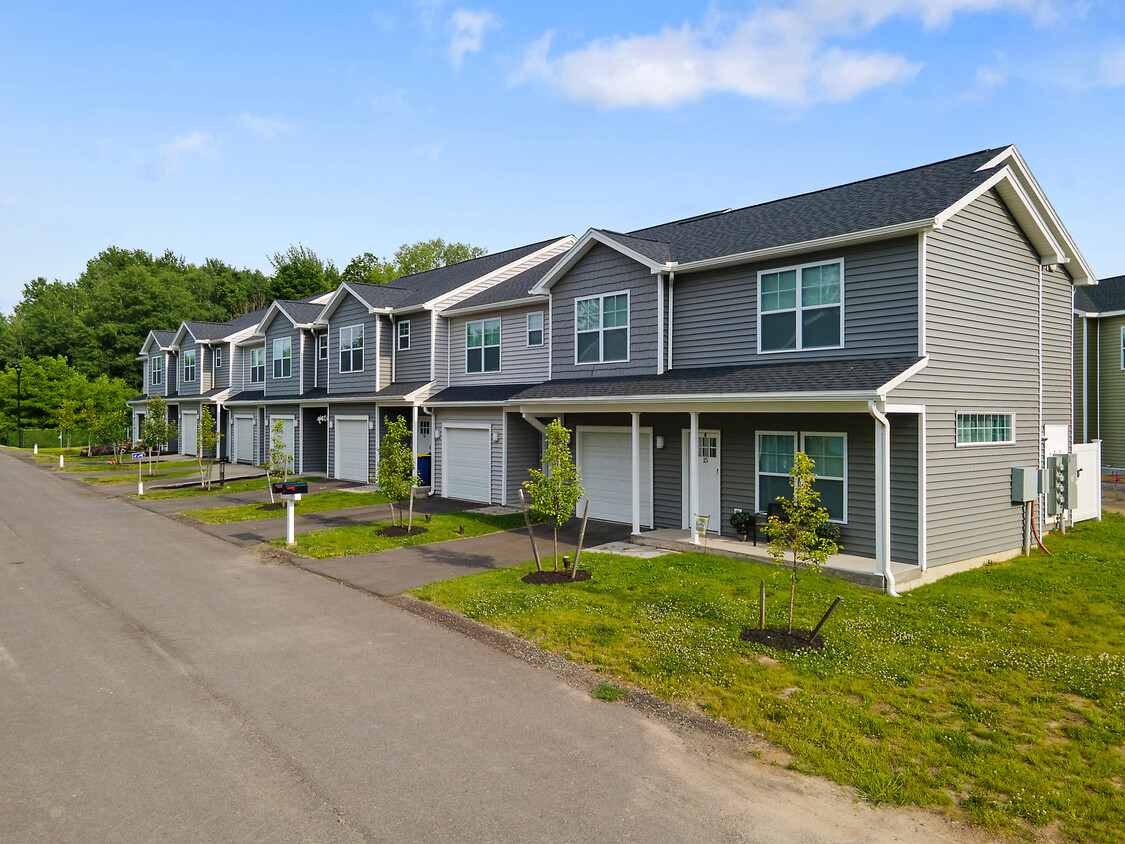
189, 365
482, 346
535, 329
801, 307
257, 365
404, 335
157, 370
218, 358
283, 357
423, 427
322, 346
601, 325
351, 348
985, 429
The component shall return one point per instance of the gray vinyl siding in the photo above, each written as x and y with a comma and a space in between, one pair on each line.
320, 367
220, 375
1081, 354
351, 312
715, 314
247, 384
171, 373
1112, 395
308, 360
414, 363
493, 416
367, 410
314, 441
519, 363
982, 302
278, 329
189, 388
523, 454
386, 352
442, 352
1058, 366
604, 270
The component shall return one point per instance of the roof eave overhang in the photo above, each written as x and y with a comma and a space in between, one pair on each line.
540, 299
536, 257
583, 245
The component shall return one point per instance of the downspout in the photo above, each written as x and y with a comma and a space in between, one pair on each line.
660, 323
671, 313
394, 350
883, 499
433, 439
1085, 381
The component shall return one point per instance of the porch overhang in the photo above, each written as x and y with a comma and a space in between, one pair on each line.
790, 403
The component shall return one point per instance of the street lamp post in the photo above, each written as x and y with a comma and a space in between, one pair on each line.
19, 404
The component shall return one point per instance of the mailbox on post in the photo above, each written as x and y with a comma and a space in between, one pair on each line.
288, 488
291, 491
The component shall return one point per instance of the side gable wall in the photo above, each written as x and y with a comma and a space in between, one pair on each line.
280, 327
189, 388
519, 363
414, 364
351, 312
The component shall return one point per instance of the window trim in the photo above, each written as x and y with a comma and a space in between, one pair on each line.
156, 371
798, 308
601, 329
216, 358
399, 335
258, 367
499, 346
542, 329
322, 346
350, 351
282, 358
798, 445
957, 427
192, 353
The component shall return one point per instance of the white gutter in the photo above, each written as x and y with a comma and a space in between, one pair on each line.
493, 306
883, 498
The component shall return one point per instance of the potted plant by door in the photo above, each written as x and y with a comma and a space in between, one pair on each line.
743, 522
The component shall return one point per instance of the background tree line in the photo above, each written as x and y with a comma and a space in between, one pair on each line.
97, 323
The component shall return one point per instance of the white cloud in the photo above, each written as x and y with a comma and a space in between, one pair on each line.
266, 127
1111, 67
786, 53
467, 30
175, 155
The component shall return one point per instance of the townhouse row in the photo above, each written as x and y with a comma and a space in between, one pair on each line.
913, 333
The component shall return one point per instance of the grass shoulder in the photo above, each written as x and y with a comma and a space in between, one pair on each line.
317, 503
230, 487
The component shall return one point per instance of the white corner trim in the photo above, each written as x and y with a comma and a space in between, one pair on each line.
901, 377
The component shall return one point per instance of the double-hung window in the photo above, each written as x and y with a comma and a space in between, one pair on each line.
535, 328
157, 376
351, 348
189, 365
218, 357
257, 365
801, 307
985, 429
482, 346
282, 357
602, 328
322, 346
777, 451
404, 336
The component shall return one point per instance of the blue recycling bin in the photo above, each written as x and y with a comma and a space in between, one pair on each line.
424, 468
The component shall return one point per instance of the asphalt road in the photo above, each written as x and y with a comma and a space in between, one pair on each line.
158, 684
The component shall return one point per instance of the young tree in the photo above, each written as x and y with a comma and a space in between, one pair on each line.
206, 438
68, 419
278, 460
157, 431
112, 429
90, 420
798, 530
556, 488
396, 475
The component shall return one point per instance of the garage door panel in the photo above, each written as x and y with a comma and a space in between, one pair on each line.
467, 471
606, 462
352, 450
244, 439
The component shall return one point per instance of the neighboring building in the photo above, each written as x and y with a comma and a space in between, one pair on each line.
911, 332
1099, 368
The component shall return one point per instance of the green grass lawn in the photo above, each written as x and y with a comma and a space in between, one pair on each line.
361, 539
247, 485
124, 477
1000, 690
317, 503
128, 466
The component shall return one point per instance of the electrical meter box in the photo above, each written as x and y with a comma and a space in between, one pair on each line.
1025, 484
1062, 483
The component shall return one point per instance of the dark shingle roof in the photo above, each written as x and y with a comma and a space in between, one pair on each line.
209, 330
400, 389
247, 320
247, 396
835, 376
1106, 296
302, 312
164, 338
478, 393
516, 287
917, 194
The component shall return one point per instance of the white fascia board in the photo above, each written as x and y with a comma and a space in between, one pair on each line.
268, 317
776, 403
902, 377
334, 302
497, 306
536, 257
705, 398
441, 405
175, 344
580, 248
785, 250
1100, 314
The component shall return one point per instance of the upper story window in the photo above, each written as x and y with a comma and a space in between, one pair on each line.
601, 325
283, 357
985, 429
157, 370
218, 359
404, 335
351, 348
257, 365
322, 346
535, 329
189, 364
482, 346
801, 307
777, 451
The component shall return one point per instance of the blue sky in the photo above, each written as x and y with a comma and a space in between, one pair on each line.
231, 130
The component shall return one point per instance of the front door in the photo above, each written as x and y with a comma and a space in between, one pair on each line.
708, 453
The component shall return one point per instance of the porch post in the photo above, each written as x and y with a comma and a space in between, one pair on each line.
636, 472
693, 476
883, 497
414, 439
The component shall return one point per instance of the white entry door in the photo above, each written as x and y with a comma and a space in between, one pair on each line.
189, 425
466, 468
352, 443
605, 457
244, 439
709, 453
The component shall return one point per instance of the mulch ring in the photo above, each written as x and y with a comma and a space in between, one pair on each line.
782, 640
549, 578
274, 505
400, 530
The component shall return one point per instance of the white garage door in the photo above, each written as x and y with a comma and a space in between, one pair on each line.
467, 464
288, 433
244, 439
606, 460
352, 450
188, 432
